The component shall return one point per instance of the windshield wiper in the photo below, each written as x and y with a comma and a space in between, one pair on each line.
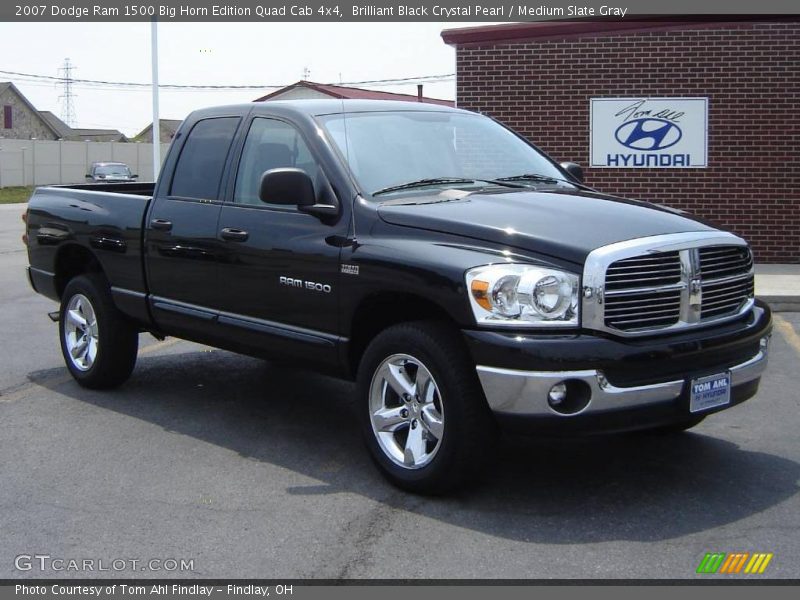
442, 181
538, 177
422, 183
530, 177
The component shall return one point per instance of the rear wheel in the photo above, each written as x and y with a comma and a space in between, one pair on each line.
98, 343
423, 413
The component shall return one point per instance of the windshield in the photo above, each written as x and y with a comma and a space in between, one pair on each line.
386, 149
107, 170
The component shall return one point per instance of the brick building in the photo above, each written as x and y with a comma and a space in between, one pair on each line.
540, 78
20, 120
70, 134
167, 128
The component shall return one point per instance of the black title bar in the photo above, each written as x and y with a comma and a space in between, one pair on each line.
366, 10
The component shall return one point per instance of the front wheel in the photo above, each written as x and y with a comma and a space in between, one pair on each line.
98, 343
423, 413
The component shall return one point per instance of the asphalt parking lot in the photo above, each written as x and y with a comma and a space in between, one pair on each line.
252, 470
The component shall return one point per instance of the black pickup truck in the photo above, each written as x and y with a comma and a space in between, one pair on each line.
464, 279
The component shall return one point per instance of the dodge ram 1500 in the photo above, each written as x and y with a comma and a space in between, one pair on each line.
465, 280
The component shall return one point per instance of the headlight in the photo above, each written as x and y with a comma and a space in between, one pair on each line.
523, 296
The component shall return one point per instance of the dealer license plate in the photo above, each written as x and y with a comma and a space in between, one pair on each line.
710, 392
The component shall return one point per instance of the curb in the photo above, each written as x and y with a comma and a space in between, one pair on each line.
782, 303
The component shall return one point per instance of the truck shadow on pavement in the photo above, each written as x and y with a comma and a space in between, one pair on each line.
632, 487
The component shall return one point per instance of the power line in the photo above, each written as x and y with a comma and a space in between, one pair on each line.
129, 84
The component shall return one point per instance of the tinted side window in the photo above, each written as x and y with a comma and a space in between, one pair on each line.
270, 144
199, 169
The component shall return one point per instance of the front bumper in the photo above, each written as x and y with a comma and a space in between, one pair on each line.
624, 384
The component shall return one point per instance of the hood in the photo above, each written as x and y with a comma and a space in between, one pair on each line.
562, 224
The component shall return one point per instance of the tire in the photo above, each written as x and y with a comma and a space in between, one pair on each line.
441, 434
98, 343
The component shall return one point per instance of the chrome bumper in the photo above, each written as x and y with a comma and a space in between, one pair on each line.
525, 392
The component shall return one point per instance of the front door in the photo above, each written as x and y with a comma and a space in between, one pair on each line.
282, 266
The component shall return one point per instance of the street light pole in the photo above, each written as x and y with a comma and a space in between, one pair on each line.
156, 129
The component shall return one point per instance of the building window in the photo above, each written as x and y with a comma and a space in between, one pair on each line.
7, 122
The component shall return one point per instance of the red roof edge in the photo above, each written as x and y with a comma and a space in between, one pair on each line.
309, 84
340, 91
475, 36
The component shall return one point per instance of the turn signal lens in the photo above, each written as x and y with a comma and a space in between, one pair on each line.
25, 235
480, 291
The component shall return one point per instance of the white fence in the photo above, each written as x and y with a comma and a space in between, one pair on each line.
44, 162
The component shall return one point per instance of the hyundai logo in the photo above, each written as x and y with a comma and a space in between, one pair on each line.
648, 134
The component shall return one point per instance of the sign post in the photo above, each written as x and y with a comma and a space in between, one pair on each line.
156, 129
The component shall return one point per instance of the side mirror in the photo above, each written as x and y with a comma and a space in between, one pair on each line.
288, 186
88, 176
574, 170
293, 187
134, 176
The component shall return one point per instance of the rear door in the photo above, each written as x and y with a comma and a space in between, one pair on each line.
183, 250
282, 269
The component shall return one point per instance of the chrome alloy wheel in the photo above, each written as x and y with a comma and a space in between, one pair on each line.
406, 411
81, 334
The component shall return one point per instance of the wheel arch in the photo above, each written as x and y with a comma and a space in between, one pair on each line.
73, 260
381, 310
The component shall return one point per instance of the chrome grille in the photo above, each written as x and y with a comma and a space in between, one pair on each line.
724, 261
725, 297
643, 309
669, 282
727, 280
633, 299
644, 271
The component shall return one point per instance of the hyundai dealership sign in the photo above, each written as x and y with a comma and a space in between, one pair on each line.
649, 132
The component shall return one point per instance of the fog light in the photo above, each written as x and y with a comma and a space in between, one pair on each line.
557, 394
569, 397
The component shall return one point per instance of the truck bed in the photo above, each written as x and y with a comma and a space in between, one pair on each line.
103, 222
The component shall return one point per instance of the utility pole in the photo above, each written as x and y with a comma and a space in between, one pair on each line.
66, 98
156, 130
